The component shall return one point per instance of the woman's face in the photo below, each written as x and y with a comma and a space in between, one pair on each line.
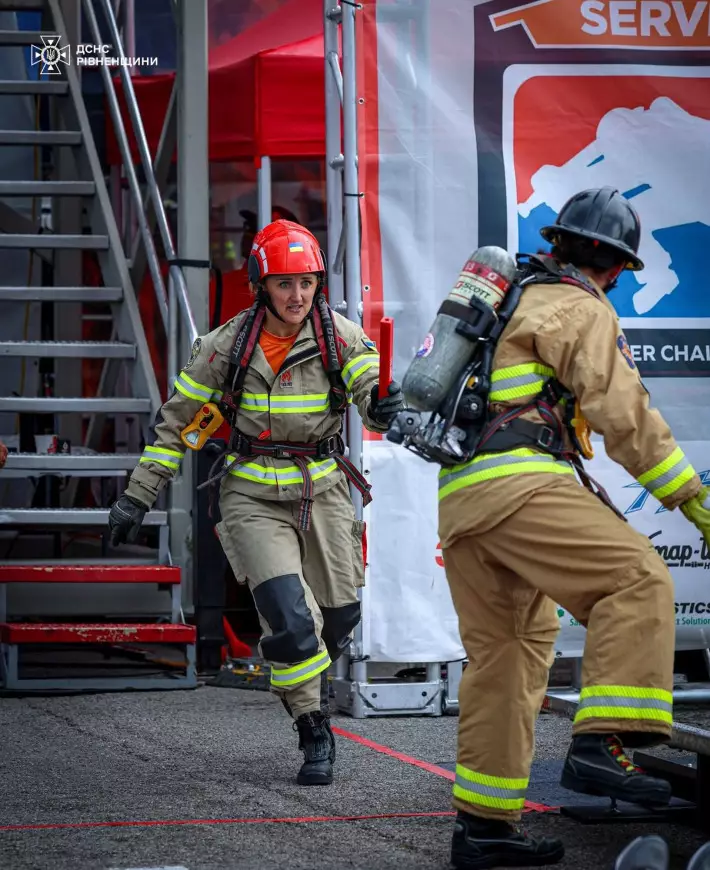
292, 295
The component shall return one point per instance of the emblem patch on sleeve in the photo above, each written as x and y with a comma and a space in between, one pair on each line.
369, 344
195, 352
623, 346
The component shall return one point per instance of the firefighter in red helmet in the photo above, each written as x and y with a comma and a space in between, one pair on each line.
284, 371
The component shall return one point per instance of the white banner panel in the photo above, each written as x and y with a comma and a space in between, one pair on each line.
408, 615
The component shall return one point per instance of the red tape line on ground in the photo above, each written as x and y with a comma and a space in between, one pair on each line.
255, 821
530, 807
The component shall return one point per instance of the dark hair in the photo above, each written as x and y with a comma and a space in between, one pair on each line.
586, 253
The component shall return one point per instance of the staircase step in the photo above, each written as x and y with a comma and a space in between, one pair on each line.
47, 241
39, 86
71, 349
32, 405
73, 465
61, 294
40, 137
22, 5
21, 37
28, 632
69, 516
162, 574
47, 188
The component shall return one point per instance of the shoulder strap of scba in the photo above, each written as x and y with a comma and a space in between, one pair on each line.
248, 337
544, 269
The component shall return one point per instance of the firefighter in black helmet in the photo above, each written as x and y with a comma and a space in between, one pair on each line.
520, 536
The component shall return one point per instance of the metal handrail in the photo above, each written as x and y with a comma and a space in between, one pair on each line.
177, 285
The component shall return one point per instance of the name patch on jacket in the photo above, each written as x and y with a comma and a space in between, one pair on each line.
623, 346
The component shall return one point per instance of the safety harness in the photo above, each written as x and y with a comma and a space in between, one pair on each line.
244, 447
508, 430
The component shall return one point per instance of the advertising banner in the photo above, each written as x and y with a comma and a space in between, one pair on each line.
480, 119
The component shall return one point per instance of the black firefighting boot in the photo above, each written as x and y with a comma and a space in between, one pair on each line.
596, 765
479, 843
701, 859
316, 740
644, 853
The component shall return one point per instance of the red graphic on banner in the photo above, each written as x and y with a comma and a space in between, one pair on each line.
664, 24
583, 101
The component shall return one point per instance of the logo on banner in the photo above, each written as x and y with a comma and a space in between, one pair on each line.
286, 380
681, 555
50, 54
645, 135
664, 24
642, 498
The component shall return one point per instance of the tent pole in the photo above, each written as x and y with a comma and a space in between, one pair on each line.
263, 186
333, 155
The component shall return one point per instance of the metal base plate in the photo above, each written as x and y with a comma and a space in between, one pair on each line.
364, 700
678, 811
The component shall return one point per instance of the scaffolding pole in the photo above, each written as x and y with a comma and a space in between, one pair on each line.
333, 156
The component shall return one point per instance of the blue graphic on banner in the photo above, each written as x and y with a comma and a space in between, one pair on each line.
642, 498
686, 246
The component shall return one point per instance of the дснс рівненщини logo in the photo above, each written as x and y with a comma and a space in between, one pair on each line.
50, 54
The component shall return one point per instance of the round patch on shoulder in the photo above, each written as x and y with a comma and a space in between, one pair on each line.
623, 346
195, 352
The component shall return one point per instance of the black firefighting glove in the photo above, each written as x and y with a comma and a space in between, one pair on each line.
383, 411
124, 520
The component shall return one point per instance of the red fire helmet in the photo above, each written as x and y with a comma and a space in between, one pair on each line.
284, 248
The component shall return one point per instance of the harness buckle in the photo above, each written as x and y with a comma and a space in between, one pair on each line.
330, 445
547, 437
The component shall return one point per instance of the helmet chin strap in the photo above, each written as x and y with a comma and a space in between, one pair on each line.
614, 279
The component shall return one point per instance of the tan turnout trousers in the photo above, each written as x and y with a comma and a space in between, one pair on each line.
561, 546
304, 583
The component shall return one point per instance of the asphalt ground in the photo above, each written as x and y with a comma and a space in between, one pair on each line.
205, 780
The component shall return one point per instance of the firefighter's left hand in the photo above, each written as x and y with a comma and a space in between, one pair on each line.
383, 411
697, 510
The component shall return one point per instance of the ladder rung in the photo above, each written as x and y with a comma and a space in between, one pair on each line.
61, 294
20, 5
39, 86
21, 37
30, 405
47, 241
47, 188
40, 137
69, 516
70, 349
100, 464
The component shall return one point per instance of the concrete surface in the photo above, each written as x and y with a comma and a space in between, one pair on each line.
226, 756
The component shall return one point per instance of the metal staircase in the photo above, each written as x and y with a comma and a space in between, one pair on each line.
80, 218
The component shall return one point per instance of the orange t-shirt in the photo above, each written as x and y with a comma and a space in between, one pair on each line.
276, 348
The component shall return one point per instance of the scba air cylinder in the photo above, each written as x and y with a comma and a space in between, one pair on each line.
445, 352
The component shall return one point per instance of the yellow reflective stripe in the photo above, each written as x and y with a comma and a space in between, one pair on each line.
625, 702
280, 476
514, 382
254, 402
357, 366
307, 404
668, 476
499, 792
163, 456
490, 466
301, 672
185, 384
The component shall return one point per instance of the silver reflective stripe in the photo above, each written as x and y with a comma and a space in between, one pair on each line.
619, 701
299, 674
478, 465
284, 404
191, 389
253, 402
170, 458
358, 366
489, 790
667, 476
519, 381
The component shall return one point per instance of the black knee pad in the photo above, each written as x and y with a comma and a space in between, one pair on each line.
282, 604
338, 622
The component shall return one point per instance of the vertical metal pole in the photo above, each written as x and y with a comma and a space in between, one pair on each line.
353, 280
333, 155
130, 35
263, 182
193, 242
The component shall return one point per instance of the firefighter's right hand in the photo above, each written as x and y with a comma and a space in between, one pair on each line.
697, 510
124, 520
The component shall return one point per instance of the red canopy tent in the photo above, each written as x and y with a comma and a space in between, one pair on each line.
266, 91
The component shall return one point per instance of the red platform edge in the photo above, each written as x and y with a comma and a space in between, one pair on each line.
166, 574
20, 632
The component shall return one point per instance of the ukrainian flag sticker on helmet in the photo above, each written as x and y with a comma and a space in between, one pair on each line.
295, 248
